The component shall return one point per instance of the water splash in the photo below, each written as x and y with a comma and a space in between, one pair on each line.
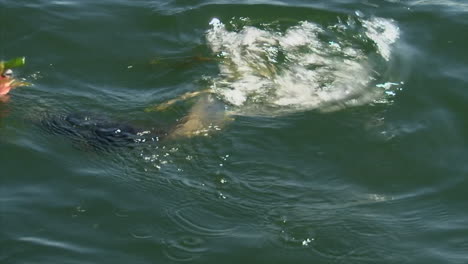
384, 33
305, 67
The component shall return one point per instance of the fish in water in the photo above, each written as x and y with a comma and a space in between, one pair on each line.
7, 80
98, 132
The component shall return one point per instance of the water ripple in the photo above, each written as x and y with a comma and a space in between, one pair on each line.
200, 221
186, 248
55, 244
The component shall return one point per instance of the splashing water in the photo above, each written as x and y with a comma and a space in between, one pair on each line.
305, 67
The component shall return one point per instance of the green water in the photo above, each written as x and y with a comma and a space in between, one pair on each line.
319, 164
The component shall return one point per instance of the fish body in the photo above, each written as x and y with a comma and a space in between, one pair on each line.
6, 84
98, 132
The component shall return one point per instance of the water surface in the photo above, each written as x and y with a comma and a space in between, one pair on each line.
335, 132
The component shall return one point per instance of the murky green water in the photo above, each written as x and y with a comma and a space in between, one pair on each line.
333, 132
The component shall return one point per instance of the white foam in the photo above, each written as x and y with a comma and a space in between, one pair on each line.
297, 69
384, 33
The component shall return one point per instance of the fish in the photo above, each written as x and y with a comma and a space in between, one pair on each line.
98, 132
7, 81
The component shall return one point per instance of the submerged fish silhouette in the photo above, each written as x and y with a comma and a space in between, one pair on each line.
98, 132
